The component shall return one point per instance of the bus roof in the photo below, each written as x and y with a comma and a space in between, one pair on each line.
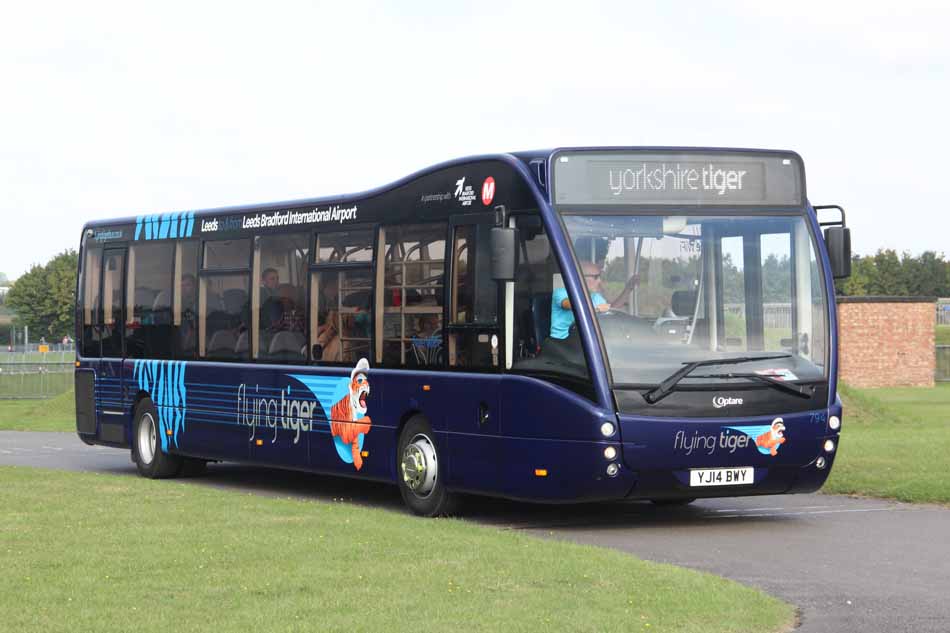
532, 162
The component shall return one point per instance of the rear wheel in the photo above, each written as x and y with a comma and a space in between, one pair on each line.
150, 459
420, 472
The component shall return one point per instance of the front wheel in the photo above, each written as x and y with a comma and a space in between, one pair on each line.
420, 472
150, 459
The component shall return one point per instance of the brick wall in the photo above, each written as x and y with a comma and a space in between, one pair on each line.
886, 341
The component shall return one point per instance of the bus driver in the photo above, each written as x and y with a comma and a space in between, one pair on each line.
562, 317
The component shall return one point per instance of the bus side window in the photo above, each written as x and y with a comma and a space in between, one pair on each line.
185, 301
90, 345
149, 298
280, 303
112, 308
224, 301
341, 297
413, 292
536, 278
473, 331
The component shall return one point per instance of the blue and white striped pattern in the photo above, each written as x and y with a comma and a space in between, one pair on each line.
165, 226
753, 432
164, 381
328, 390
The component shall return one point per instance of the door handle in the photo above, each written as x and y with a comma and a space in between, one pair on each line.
483, 414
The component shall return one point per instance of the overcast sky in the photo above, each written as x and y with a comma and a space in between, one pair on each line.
114, 110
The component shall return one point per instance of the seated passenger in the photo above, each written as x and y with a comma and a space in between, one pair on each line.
562, 316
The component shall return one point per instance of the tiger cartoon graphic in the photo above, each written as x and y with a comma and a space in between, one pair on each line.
772, 438
348, 419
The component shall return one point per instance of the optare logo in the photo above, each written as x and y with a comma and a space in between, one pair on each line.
488, 191
724, 401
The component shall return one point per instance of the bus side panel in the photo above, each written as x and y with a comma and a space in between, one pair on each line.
111, 411
463, 411
548, 446
271, 415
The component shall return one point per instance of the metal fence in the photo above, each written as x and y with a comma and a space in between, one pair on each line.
943, 314
943, 364
26, 380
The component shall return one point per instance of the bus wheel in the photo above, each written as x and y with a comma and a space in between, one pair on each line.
419, 473
150, 459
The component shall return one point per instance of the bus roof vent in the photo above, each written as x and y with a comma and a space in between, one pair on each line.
537, 167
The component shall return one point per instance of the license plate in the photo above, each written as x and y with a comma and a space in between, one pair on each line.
720, 476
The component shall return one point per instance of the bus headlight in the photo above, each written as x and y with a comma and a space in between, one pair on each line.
612, 470
607, 429
834, 423
829, 446
820, 463
610, 452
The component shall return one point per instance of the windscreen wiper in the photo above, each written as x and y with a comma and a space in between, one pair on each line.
769, 379
666, 387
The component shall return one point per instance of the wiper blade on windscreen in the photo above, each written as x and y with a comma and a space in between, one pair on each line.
769, 379
666, 387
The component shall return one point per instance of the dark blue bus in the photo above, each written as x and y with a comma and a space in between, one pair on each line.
559, 326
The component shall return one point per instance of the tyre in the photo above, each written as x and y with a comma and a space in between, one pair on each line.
419, 471
150, 459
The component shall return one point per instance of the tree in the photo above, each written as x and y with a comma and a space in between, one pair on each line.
43, 298
884, 273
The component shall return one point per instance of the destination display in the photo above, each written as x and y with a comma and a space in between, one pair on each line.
676, 178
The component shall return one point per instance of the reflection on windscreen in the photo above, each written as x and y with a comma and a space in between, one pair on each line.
681, 288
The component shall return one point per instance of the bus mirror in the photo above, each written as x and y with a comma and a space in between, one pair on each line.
838, 242
504, 253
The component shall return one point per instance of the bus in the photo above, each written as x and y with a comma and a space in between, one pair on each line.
568, 325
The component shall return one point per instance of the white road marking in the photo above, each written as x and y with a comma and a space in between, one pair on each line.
786, 514
749, 509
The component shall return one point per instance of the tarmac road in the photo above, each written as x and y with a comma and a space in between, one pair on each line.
848, 564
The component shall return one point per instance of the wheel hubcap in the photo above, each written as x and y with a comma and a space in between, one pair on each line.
419, 466
147, 439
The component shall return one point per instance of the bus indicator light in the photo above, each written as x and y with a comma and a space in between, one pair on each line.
427, 387
259, 442
168, 432
364, 454
488, 191
540, 472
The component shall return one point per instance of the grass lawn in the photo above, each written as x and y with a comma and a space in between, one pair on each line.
55, 414
100, 552
895, 443
943, 335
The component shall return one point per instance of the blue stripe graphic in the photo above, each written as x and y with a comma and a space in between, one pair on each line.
164, 381
165, 226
